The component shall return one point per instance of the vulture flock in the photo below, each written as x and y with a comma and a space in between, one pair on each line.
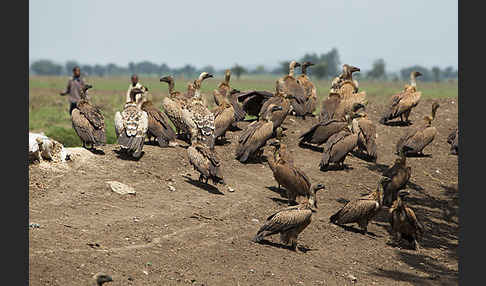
343, 127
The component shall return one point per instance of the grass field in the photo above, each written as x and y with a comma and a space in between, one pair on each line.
48, 111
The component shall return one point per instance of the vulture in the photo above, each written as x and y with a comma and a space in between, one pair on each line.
223, 117
88, 122
252, 101
399, 175
309, 88
131, 126
344, 83
291, 221
206, 162
401, 104
293, 179
280, 99
453, 139
158, 125
366, 131
321, 131
255, 135
362, 210
416, 139
175, 108
289, 85
329, 106
404, 222
225, 91
200, 115
338, 146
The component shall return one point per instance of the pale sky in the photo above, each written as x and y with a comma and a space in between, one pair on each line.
251, 32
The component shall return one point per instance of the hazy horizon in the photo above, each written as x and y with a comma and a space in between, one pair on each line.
249, 33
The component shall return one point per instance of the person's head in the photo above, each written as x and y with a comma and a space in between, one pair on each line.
134, 79
76, 71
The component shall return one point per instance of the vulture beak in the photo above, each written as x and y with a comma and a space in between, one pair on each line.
297, 64
418, 74
355, 69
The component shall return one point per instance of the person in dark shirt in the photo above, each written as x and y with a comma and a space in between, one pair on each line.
73, 88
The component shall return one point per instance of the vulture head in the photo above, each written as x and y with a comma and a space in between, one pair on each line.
204, 75
167, 79
305, 65
312, 198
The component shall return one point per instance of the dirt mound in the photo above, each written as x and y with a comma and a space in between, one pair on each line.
200, 235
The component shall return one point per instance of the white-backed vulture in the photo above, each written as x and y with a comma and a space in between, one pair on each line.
175, 108
224, 92
366, 131
223, 117
293, 179
399, 175
200, 114
321, 131
404, 222
88, 122
329, 106
255, 135
362, 210
280, 99
309, 88
401, 104
158, 125
289, 85
206, 162
416, 139
344, 83
131, 126
453, 139
338, 146
291, 221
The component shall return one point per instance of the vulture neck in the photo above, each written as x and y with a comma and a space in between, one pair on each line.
304, 70
413, 81
291, 69
171, 87
227, 77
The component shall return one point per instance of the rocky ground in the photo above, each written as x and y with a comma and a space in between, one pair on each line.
176, 231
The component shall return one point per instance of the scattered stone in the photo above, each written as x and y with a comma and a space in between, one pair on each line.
252, 271
121, 188
255, 220
230, 189
352, 278
145, 272
171, 188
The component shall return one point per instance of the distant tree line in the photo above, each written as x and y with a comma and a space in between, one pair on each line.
326, 65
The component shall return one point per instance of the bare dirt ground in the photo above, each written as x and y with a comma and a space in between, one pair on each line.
200, 236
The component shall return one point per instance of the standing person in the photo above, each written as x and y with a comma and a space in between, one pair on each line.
134, 84
73, 88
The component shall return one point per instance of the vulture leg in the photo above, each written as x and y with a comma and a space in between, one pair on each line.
200, 178
364, 226
206, 181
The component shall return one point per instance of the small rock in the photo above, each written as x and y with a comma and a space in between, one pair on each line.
121, 188
135, 219
230, 189
437, 171
352, 278
145, 272
255, 220
171, 188
252, 271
